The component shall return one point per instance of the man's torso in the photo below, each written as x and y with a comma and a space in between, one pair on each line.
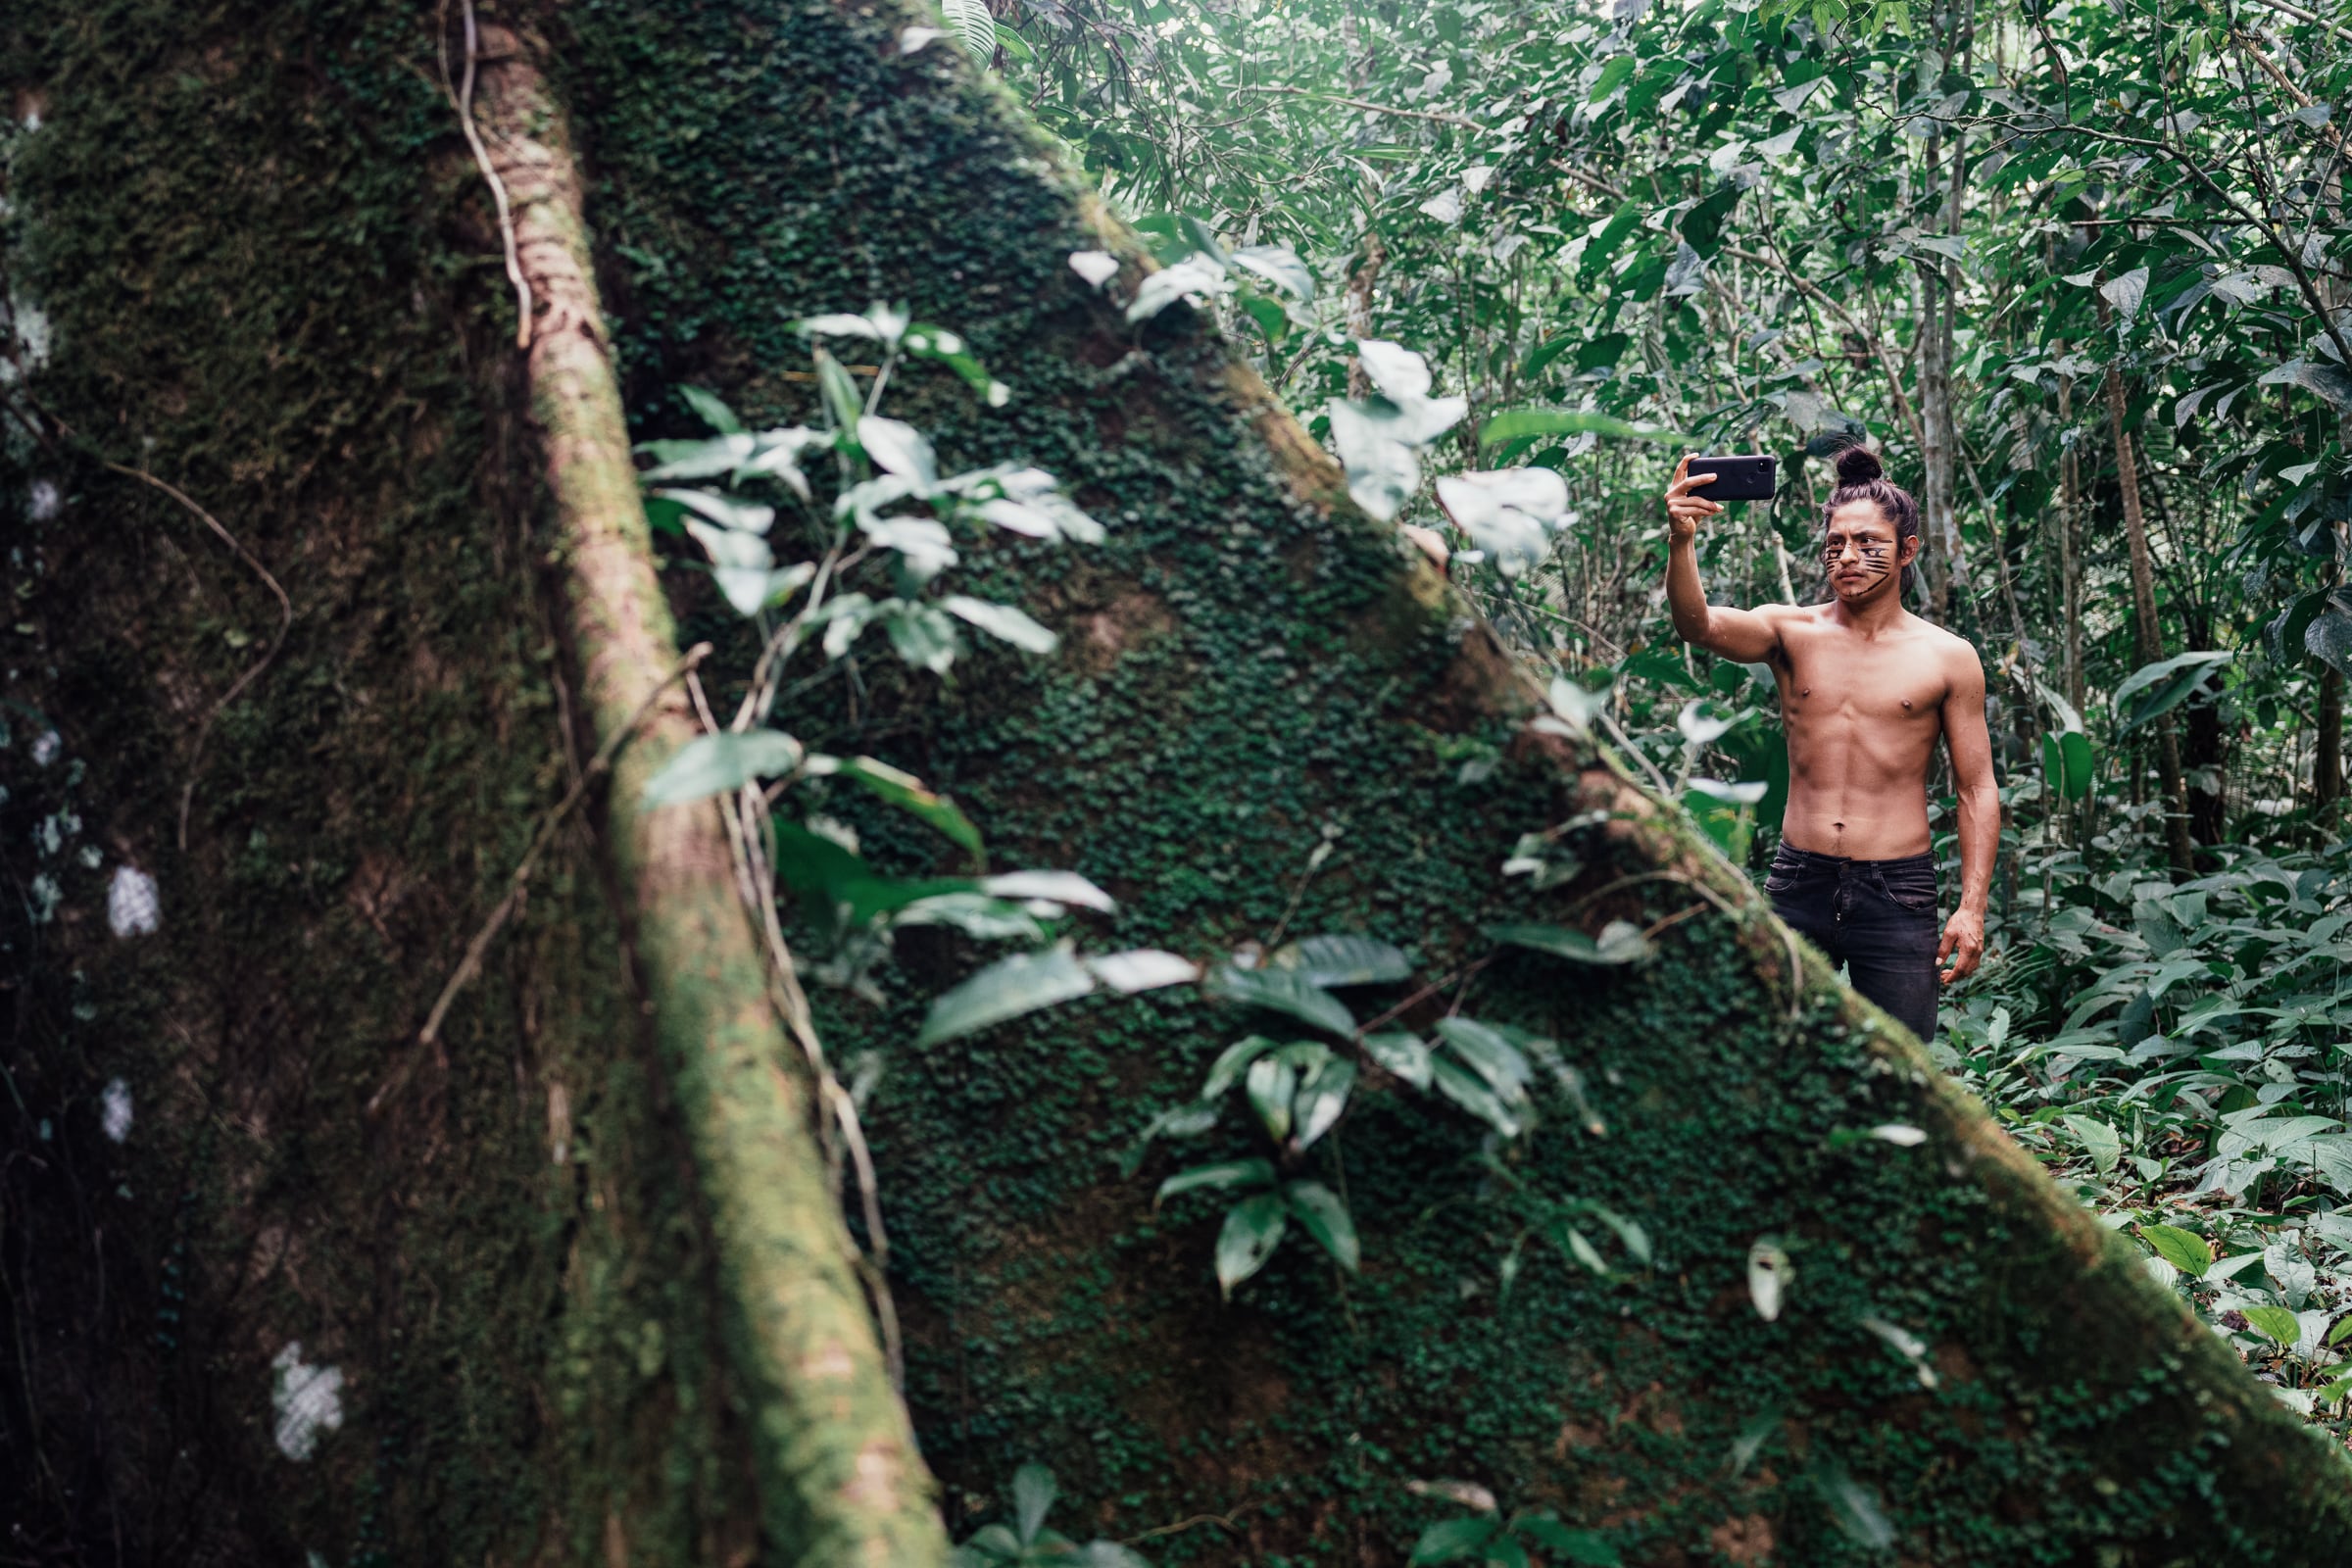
1863, 715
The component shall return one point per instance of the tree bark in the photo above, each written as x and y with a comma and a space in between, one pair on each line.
840, 1480
2147, 632
2328, 755
1250, 671
1938, 508
2068, 528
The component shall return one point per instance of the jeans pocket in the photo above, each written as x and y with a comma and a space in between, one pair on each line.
1779, 879
1912, 889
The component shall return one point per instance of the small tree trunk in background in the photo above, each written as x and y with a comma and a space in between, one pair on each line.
2327, 766
1936, 423
1360, 285
2069, 538
1936, 419
2147, 634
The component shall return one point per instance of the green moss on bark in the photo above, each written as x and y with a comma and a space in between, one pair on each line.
251, 232
1244, 666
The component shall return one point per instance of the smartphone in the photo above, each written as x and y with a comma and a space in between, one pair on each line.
1742, 478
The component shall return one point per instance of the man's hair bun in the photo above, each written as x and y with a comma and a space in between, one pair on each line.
1858, 466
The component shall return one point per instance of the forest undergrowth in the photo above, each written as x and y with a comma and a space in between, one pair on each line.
2082, 272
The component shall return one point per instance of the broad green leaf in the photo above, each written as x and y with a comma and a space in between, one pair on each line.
1855, 1509
1379, 439
898, 448
1492, 1056
1226, 1070
1600, 246
1578, 704
697, 460
1322, 1215
1402, 1054
1188, 1120
975, 915
2127, 291
926, 342
1629, 1233
1195, 274
2080, 767
1588, 1547
1341, 960
842, 401
1542, 354
2331, 383
1321, 1097
1472, 1093
744, 516
1222, 1174
1270, 1085
1621, 942
973, 26
1577, 1244
906, 792
839, 324
1057, 887
2154, 690
1006, 989
2099, 1139
923, 637
714, 765
2186, 1250
1001, 622
1283, 991
1511, 513
712, 411
1280, 266
2328, 636
2276, 1323
1612, 76
1254, 1228
1513, 423
1033, 1495
990, 1546
1455, 1540
1142, 969
1768, 1276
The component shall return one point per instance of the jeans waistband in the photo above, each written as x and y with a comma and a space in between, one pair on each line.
1790, 856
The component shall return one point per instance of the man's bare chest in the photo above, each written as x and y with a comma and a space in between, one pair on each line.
1829, 677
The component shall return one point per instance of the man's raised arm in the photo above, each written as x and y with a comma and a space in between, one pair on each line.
1740, 634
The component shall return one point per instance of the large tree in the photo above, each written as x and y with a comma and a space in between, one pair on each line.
329, 594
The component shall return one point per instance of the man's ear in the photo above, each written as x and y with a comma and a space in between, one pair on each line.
1906, 550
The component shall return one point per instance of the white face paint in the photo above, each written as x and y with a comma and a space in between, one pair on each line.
131, 907
114, 1110
308, 1400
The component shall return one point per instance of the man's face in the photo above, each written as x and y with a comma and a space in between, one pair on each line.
1861, 554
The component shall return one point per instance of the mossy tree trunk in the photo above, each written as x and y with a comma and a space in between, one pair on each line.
548, 1310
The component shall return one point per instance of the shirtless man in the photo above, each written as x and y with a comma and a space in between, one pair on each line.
1866, 688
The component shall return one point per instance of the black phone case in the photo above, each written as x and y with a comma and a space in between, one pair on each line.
1743, 477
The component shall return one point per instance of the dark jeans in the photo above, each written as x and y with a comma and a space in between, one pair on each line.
1877, 917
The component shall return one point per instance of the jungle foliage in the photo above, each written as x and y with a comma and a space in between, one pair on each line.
2081, 269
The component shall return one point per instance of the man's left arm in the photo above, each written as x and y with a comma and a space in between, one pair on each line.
1971, 746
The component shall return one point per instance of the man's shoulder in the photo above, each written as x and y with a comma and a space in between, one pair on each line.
1951, 645
1955, 653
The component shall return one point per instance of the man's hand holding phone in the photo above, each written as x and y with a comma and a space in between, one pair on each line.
1683, 509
